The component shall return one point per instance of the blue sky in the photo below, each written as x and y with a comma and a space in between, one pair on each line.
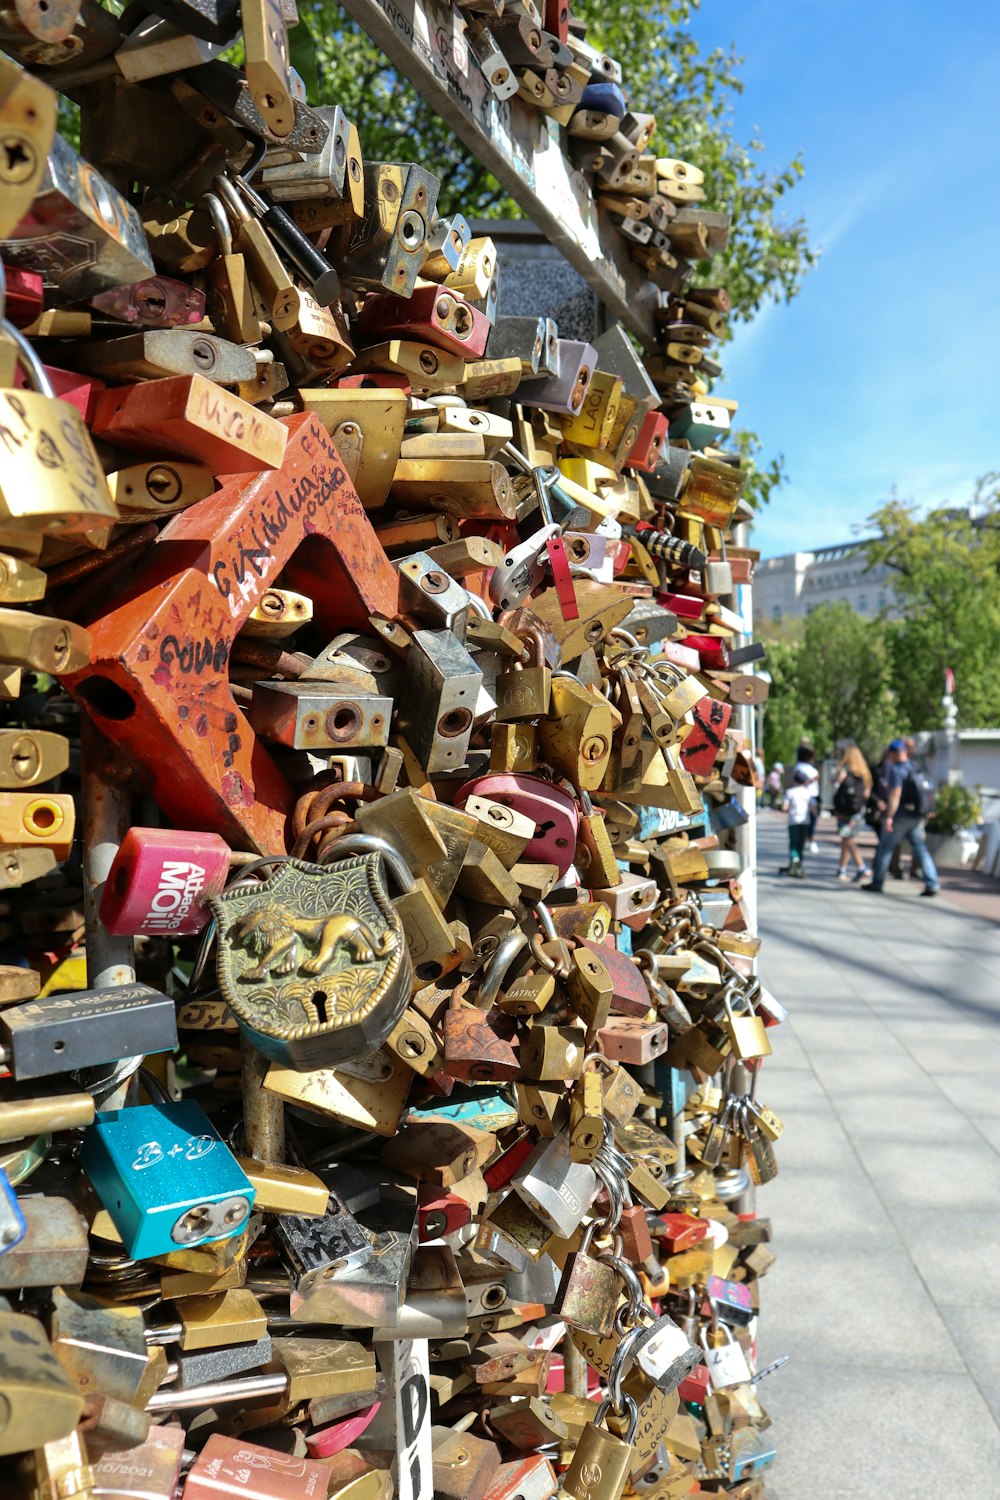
882, 371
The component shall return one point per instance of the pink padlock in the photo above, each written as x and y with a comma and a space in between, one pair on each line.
552, 810
161, 881
340, 1435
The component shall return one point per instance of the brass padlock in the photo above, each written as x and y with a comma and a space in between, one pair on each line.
50, 476
313, 961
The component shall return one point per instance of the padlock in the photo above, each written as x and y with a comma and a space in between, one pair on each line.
438, 715
51, 480
555, 1187
747, 1033
477, 1045
166, 1177
552, 810
588, 1293
726, 1363
78, 231
600, 1465
313, 1011
161, 882
386, 247
575, 732
523, 692
152, 702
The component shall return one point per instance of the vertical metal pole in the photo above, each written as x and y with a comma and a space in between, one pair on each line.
107, 815
107, 808
403, 1422
574, 1369
263, 1113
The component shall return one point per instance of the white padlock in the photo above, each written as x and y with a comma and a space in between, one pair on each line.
726, 1365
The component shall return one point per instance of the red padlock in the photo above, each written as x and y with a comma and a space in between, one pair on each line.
631, 993
161, 881
702, 744
439, 1212
80, 391
684, 606
158, 684
647, 450
552, 810
434, 315
712, 650
25, 295
681, 1231
340, 1435
696, 1386
500, 1172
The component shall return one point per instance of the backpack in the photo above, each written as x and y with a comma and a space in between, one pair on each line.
849, 798
873, 813
918, 796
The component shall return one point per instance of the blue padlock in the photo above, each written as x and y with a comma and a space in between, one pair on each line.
603, 98
166, 1177
12, 1224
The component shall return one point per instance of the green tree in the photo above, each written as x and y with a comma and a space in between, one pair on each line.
832, 683
691, 94
843, 680
666, 74
783, 716
945, 570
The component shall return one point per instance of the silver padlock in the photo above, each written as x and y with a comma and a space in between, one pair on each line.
555, 1187
522, 569
664, 1352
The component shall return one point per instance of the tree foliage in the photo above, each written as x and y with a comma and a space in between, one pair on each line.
691, 94
946, 570
666, 74
832, 684
840, 676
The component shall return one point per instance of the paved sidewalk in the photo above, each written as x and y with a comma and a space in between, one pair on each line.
887, 1207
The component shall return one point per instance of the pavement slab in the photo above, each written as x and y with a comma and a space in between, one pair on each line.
886, 1210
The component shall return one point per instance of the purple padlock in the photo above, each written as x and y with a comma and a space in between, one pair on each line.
552, 810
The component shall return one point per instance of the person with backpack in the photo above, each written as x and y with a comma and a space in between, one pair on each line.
909, 801
850, 797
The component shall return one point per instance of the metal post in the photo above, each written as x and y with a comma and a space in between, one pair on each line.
574, 1369
263, 1113
107, 816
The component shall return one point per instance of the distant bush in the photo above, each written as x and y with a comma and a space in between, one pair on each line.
956, 807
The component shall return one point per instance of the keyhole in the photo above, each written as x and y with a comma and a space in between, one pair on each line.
319, 1005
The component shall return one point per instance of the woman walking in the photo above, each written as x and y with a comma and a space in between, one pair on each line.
851, 791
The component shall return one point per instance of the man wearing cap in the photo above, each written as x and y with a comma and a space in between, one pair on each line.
903, 819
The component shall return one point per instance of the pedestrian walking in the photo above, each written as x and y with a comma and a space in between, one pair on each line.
804, 758
796, 804
772, 786
909, 800
852, 789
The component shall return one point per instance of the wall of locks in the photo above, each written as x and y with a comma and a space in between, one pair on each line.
378, 1019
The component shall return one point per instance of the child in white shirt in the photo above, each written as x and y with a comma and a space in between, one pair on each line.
796, 805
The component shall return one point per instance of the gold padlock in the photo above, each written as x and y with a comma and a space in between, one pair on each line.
50, 476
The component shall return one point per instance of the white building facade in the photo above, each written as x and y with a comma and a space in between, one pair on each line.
786, 588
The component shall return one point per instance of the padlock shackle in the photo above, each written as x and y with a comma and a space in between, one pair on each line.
27, 356
212, 204
508, 948
370, 843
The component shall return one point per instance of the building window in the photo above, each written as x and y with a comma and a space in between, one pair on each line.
881, 599
776, 614
862, 603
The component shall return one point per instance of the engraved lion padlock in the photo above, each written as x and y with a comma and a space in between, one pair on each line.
313, 962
